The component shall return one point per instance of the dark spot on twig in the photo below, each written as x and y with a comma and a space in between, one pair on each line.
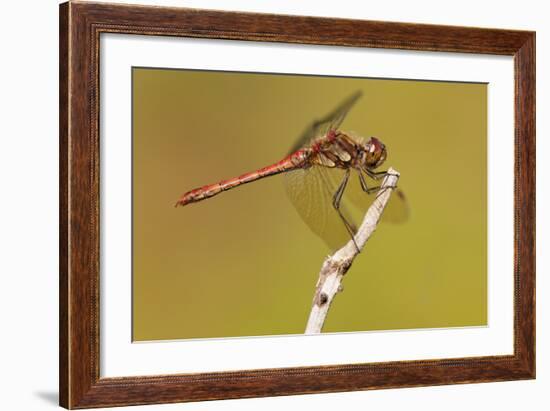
323, 298
345, 267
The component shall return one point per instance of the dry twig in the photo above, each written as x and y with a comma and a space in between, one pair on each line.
335, 266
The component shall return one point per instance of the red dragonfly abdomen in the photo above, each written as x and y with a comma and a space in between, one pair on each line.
295, 160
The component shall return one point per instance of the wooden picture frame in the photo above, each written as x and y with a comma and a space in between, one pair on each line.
80, 27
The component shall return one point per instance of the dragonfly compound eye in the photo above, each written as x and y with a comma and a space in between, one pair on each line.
376, 152
382, 158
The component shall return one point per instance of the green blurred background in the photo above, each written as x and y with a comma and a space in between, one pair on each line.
243, 263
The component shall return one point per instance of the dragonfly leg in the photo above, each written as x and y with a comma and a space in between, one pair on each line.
364, 185
336, 204
376, 175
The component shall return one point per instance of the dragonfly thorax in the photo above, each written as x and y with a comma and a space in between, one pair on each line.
342, 150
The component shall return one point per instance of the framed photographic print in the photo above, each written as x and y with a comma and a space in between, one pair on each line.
256, 205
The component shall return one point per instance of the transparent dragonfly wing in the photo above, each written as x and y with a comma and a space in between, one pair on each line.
311, 191
332, 121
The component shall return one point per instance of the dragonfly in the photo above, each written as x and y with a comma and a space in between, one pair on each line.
318, 170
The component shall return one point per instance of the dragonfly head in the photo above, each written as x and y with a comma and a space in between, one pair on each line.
375, 152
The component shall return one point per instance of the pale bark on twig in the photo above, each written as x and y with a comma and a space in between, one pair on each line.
335, 266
